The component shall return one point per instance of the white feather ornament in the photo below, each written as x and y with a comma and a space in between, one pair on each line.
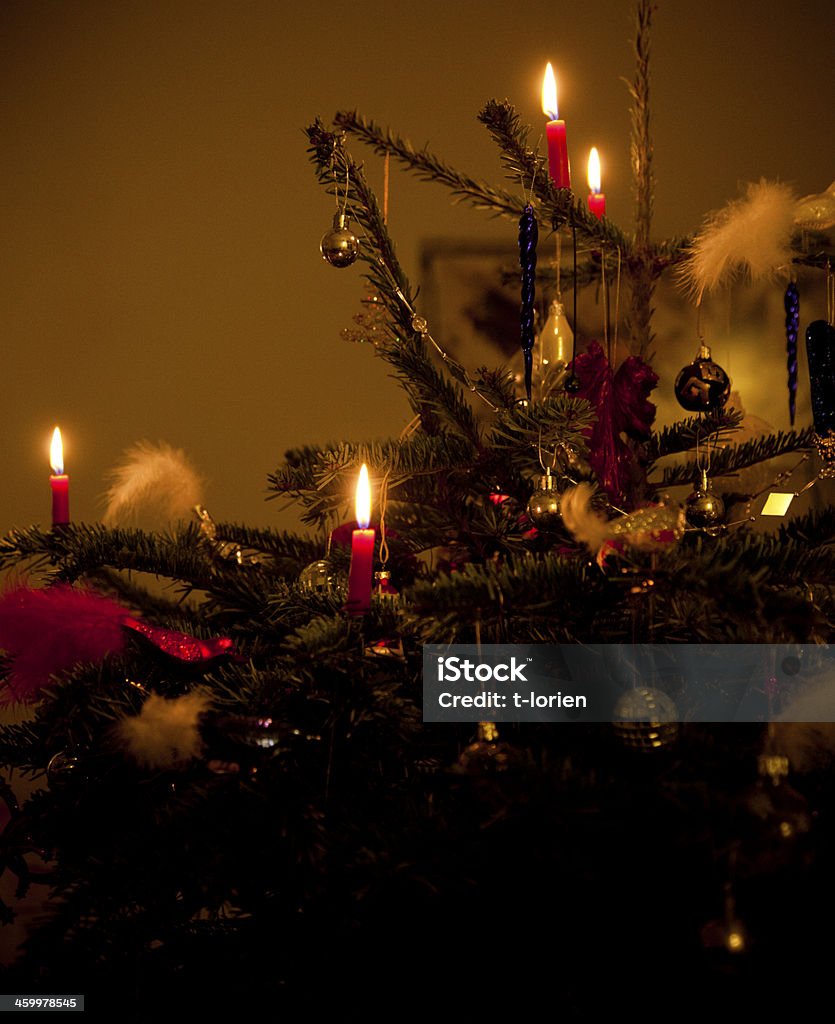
164, 734
750, 237
152, 482
585, 525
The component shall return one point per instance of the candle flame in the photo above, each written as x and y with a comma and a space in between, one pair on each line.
56, 453
549, 94
363, 501
594, 170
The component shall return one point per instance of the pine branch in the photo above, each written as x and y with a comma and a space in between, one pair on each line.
428, 167
685, 435
554, 594
80, 549
728, 461
430, 394
526, 433
557, 206
322, 479
812, 530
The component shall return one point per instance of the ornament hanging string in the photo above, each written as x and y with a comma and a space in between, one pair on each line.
386, 173
617, 298
384, 495
606, 332
573, 384
405, 433
337, 144
528, 237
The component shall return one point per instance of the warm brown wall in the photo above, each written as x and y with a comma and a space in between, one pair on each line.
160, 274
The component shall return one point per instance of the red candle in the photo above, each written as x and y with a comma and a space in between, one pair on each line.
59, 482
597, 201
555, 132
362, 551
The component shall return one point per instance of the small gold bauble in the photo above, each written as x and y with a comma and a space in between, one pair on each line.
544, 505
703, 510
340, 246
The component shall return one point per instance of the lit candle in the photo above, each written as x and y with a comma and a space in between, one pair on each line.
597, 201
362, 551
555, 132
59, 482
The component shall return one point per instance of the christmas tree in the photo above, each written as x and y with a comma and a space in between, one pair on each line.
244, 806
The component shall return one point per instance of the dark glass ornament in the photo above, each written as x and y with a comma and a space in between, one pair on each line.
62, 769
702, 385
340, 246
820, 348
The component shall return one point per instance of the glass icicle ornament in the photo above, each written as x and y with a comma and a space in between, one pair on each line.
556, 342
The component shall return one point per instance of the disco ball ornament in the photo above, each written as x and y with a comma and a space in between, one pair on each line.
322, 578
645, 719
340, 246
702, 385
703, 510
544, 505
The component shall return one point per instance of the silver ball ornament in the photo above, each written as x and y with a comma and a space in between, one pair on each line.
544, 505
703, 510
321, 577
340, 246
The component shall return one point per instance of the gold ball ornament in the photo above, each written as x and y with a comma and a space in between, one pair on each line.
544, 506
487, 755
645, 719
703, 510
340, 246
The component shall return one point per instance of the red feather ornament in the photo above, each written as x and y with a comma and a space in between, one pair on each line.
46, 632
